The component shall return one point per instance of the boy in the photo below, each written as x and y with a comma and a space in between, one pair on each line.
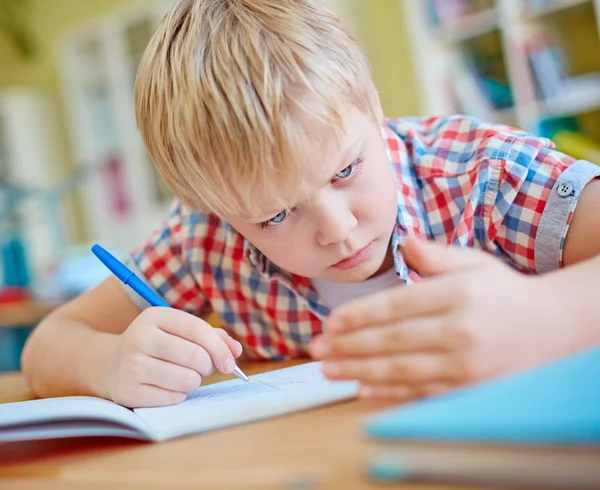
294, 196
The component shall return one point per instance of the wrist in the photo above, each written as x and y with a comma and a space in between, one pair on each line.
570, 309
94, 372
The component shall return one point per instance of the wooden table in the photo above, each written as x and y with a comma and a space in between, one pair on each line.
317, 449
25, 314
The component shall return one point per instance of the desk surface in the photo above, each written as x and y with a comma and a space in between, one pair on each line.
25, 314
316, 449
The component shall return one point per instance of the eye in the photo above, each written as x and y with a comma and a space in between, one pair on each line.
279, 218
347, 172
350, 170
275, 220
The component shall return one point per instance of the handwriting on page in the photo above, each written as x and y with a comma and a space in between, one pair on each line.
284, 382
235, 401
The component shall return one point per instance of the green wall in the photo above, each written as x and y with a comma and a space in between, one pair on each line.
383, 34
48, 19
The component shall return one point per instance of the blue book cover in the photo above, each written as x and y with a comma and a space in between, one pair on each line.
555, 404
539, 428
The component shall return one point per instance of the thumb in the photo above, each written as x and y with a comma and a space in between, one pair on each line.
432, 259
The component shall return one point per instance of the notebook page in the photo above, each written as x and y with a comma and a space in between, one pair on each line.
235, 402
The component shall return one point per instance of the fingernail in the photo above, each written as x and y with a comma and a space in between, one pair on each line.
331, 368
333, 323
228, 365
365, 391
320, 348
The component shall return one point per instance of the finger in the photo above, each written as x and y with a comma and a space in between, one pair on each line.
432, 259
403, 392
196, 330
412, 335
169, 376
383, 392
396, 369
395, 304
182, 352
150, 396
234, 346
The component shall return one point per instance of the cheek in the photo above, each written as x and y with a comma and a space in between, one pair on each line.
290, 251
378, 194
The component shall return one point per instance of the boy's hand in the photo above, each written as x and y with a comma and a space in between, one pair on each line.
473, 319
163, 355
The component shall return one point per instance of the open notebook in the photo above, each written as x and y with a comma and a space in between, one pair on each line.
209, 407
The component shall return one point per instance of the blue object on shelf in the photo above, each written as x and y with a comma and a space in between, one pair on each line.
14, 262
549, 126
12, 341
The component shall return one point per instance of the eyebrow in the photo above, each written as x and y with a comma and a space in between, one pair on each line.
350, 149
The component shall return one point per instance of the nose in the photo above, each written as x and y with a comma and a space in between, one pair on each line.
335, 220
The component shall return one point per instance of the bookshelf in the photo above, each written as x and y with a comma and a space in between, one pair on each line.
122, 196
533, 64
32, 229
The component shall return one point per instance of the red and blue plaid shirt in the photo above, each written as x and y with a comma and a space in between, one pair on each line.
460, 181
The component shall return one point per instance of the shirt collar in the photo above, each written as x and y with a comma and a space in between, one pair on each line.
302, 286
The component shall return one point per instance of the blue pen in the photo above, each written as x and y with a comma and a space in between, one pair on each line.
127, 277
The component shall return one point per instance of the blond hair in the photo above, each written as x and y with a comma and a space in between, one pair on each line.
230, 93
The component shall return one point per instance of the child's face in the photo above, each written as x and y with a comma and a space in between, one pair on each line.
340, 228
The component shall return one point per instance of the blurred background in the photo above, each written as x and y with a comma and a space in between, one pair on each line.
73, 170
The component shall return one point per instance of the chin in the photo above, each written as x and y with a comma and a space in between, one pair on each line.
359, 273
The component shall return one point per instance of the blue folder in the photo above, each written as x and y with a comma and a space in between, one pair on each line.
550, 414
556, 403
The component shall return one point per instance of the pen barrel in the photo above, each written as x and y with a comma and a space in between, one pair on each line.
145, 292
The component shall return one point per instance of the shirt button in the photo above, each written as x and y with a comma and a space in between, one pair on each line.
564, 190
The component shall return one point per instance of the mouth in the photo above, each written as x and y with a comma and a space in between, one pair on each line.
354, 259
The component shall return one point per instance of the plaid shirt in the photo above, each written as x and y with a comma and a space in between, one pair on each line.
460, 181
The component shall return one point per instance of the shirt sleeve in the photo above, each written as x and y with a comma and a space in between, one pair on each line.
160, 263
536, 200
496, 187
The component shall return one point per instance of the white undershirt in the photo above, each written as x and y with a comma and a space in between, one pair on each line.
335, 294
